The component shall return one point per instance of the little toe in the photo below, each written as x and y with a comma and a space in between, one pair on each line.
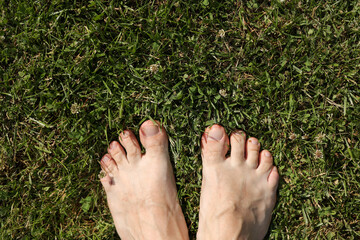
153, 137
252, 152
131, 145
273, 178
238, 142
108, 165
265, 161
106, 182
117, 152
214, 143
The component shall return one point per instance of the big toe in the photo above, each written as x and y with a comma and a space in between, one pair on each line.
214, 143
153, 137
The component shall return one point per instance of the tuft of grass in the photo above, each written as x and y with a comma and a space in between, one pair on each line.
73, 74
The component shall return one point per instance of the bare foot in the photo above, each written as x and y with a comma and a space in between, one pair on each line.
140, 189
238, 193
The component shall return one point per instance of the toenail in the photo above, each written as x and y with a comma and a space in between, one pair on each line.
150, 130
267, 154
240, 133
106, 159
125, 134
216, 133
254, 141
112, 145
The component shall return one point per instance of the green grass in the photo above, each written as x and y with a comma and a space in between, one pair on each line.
73, 74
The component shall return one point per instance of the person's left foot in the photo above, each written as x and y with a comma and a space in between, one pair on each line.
140, 188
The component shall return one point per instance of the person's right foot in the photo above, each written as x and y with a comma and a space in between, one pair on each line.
238, 193
140, 188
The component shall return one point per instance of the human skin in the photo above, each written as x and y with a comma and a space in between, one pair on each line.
140, 188
238, 192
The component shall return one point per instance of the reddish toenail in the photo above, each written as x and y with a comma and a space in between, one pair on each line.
150, 130
215, 133
254, 141
106, 159
125, 134
267, 154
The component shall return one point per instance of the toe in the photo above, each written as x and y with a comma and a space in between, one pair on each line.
109, 165
273, 178
238, 141
252, 152
266, 161
153, 137
117, 152
106, 182
214, 143
131, 145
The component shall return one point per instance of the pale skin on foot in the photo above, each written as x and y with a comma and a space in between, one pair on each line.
140, 188
238, 193
237, 196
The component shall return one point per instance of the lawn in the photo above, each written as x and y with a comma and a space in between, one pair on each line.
73, 74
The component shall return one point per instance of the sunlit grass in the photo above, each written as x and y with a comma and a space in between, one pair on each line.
73, 74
